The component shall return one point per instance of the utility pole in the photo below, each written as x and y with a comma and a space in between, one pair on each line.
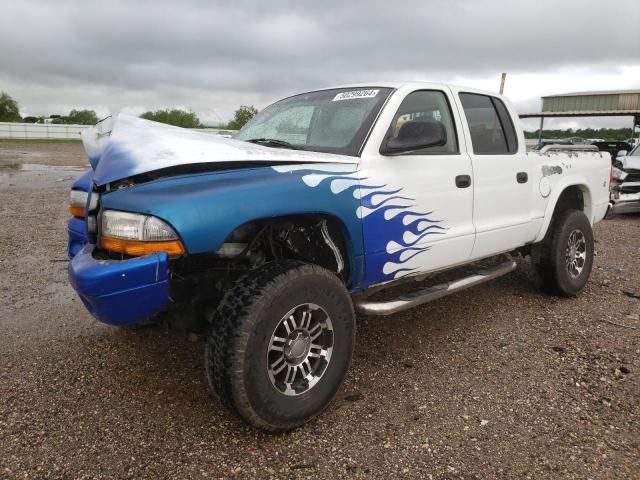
504, 77
541, 127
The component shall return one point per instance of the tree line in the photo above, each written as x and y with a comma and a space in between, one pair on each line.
10, 112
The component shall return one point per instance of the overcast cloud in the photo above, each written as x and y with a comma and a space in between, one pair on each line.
211, 57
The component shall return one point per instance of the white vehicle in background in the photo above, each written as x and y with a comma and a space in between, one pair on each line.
625, 182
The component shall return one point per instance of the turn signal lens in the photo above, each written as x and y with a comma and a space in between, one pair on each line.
77, 211
137, 248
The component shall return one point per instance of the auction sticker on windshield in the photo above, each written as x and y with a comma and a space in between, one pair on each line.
355, 94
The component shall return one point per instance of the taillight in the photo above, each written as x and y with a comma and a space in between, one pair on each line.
611, 175
617, 175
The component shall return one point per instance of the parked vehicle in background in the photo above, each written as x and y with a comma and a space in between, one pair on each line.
612, 147
225, 133
321, 202
625, 182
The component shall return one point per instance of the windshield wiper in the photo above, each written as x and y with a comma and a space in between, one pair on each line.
273, 142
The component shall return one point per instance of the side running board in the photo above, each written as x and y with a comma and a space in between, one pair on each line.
433, 293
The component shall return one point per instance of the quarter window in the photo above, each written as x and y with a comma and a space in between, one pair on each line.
490, 125
426, 105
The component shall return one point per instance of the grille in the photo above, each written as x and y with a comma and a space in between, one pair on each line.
633, 175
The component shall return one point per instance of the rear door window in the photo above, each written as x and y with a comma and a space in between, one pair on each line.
490, 125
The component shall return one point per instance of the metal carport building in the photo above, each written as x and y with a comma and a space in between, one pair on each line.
620, 103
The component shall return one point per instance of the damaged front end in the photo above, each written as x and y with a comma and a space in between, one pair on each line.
171, 218
198, 282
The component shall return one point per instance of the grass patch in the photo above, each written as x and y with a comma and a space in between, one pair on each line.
22, 141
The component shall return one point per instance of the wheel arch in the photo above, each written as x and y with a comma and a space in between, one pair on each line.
338, 232
572, 195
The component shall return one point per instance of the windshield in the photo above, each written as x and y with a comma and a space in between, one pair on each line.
635, 152
331, 121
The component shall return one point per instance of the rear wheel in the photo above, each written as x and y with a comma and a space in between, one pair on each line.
280, 344
565, 257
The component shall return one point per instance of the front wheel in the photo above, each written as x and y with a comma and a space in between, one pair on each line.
280, 344
564, 258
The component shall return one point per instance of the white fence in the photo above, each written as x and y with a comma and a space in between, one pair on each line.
57, 131
41, 130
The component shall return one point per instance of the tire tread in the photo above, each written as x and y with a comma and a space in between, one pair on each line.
546, 260
233, 321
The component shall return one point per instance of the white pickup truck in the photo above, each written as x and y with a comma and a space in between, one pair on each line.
320, 205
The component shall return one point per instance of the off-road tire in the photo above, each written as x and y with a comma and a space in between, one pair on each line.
549, 256
241, 328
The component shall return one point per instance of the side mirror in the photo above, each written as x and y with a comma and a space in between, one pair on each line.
622, 153
415, 135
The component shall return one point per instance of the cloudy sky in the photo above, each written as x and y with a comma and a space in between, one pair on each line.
210, 57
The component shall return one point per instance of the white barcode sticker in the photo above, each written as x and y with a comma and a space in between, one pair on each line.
355, 94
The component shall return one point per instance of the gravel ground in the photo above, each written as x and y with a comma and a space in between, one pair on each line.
500, 381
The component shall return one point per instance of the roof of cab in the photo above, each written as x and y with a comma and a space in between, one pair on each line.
409, 84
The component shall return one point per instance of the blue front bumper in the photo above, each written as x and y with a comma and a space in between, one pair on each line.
121, 292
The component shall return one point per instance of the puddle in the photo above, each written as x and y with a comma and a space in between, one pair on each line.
10, 167
36, 167
36, 176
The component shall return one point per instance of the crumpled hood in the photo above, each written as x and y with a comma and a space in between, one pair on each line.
124, 145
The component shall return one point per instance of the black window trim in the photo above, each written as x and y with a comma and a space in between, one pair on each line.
453, 118
375, 122
493, 99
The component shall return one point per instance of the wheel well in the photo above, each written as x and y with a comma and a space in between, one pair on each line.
571, 198
574, 197
200, 281
314, 238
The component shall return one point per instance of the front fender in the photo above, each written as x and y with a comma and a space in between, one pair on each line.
205, 208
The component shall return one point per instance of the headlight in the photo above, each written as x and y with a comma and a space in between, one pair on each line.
77, 203
137, 234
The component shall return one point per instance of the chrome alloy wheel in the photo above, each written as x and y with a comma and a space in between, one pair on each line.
576, 253
300, 349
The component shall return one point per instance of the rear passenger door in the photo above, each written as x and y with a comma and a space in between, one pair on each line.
502, 196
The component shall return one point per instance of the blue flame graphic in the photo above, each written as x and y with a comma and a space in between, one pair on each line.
394, 230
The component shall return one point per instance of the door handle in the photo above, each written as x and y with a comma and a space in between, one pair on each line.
522, 177
463, 181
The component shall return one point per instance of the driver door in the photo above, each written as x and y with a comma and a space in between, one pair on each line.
416, 206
